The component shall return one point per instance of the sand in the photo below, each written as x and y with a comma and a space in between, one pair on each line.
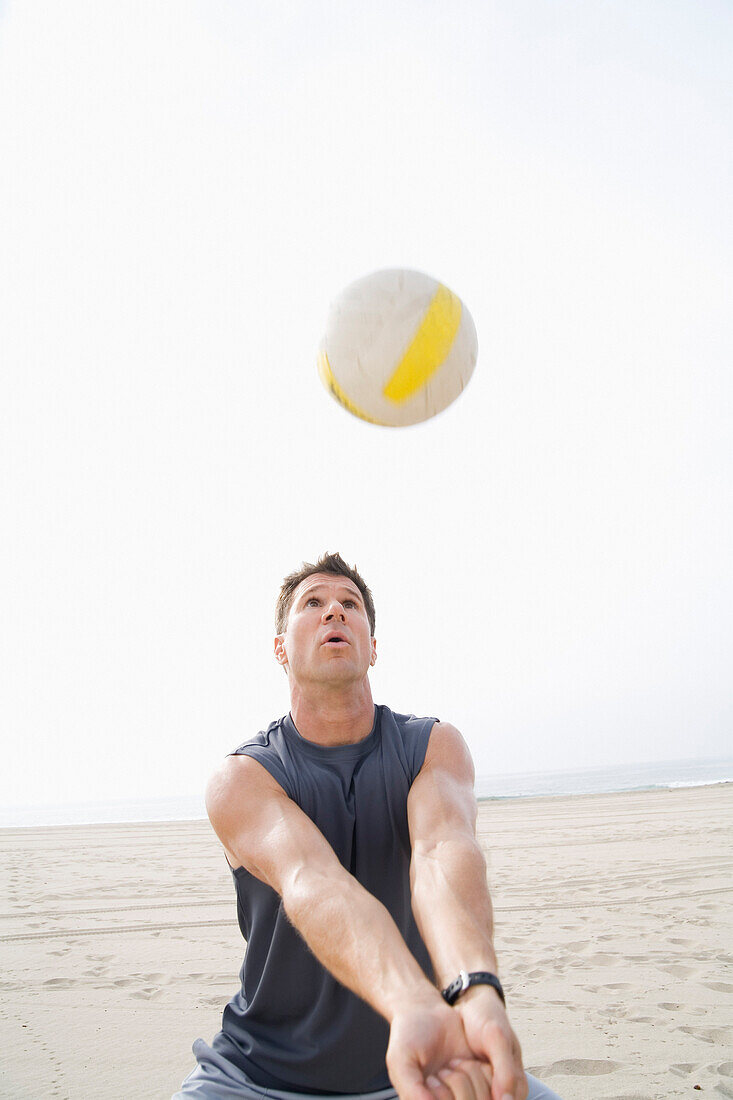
613, 925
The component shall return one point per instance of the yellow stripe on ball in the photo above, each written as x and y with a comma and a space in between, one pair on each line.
329, 381
429, 348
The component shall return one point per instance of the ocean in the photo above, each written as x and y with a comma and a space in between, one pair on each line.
624, 777
621, 777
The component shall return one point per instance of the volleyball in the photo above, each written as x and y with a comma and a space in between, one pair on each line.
398, 348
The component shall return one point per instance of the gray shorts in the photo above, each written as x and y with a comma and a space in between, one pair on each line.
216, 1078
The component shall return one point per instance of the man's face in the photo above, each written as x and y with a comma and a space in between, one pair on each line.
327, 638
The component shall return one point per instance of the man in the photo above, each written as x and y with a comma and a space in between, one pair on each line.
361, 888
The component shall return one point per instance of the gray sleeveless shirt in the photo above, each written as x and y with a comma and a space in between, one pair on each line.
292, 1026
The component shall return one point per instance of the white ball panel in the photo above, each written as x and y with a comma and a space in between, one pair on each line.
371, 325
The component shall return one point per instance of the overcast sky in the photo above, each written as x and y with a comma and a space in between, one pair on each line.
184, 187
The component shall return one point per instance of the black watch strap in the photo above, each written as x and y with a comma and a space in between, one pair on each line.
464, 981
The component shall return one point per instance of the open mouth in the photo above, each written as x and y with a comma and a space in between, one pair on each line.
335, 639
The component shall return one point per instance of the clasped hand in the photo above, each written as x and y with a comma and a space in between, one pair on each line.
468, 1052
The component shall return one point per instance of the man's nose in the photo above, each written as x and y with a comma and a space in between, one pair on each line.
334, 610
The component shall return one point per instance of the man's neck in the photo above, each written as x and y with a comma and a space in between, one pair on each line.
341, 717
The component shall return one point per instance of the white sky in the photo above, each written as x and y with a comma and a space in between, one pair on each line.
184, 187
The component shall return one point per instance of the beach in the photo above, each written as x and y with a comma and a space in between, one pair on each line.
120, 946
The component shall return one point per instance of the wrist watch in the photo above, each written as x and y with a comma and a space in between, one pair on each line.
464, 981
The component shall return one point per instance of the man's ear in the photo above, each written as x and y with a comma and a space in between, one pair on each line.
280, 655
373, 657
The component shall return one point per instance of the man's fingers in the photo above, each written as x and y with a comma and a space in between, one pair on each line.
480, 1074
510, 1082
461, 1083
412, 1087
439, 1088
407, 1079
496, 1043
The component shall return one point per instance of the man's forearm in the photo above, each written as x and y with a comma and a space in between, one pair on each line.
352, 934
452, 906
451, 903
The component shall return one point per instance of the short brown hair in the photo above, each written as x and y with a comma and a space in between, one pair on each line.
327, 563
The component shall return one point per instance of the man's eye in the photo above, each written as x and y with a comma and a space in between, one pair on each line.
349, 603
310, 601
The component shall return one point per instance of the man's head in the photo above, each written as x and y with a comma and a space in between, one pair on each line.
325, 624
328, 563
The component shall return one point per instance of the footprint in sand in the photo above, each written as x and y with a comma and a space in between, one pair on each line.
683, 1069
678, 971
582, 1067
690, 1010
146, 994
725, 1069
719, 987
708, 1034
631, 1096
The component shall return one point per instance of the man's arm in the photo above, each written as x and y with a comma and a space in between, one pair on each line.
451, 902
346, 928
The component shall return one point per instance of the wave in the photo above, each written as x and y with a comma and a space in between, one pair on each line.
698, 782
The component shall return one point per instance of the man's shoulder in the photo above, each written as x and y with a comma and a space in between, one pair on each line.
249, 769
408, 721
262, 739
410, 736
449, 751
270, 748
